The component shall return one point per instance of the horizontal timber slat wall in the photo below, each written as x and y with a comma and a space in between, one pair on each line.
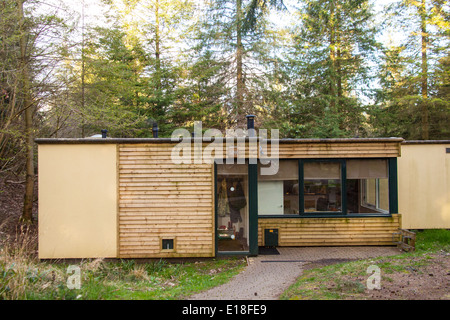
159, 199
297, 149
331, 231
338, 150
307, 150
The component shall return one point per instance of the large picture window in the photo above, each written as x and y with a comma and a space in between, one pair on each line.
311, 187
278, 191
322, 187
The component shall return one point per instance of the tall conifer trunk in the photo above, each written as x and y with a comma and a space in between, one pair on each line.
239, 70
424, 75
157, 46
28, 119
332, 32
158, 71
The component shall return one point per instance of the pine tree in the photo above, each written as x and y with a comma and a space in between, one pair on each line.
113, 84
243, 58
410, 106
329, 66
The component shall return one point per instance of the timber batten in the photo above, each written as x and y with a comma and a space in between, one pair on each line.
336, 231
162, 200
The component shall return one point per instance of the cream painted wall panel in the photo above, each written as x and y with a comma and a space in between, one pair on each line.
424, 186
77, 201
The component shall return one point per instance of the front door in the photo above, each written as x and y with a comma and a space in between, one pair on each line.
232, 223
236, 208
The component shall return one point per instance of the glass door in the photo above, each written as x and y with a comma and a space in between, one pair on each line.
232, 224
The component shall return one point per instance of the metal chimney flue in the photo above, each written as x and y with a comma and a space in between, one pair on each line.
251, 125
155, 130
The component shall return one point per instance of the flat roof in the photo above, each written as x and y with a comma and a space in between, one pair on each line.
224, 139
426, 142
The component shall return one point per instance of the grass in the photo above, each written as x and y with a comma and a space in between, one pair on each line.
348, 280
24, 277
105, 280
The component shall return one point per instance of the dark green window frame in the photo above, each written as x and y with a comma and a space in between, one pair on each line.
253, 210
301, 178
393, 192
253, 199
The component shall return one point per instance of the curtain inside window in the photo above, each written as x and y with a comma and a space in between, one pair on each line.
322, 170
232, 169
287, 170
367, 169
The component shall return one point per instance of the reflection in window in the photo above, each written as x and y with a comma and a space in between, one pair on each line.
232, 207
367, 186
278, 191
322, 186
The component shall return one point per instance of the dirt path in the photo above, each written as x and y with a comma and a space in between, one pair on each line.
267, 276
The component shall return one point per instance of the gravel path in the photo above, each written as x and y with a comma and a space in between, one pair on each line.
267, 276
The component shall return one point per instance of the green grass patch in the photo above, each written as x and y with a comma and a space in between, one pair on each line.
432, 240
348, 280
103, 280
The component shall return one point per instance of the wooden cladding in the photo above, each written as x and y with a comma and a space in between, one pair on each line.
301, 150
339, 150
334, 231
162, 200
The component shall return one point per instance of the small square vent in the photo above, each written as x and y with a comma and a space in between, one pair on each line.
167, 244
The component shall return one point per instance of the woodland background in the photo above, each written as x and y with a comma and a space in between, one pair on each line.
310, 68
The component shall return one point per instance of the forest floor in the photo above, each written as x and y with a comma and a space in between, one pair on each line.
11, 205
410, 276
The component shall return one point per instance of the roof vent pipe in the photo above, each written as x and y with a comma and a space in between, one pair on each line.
251, 125
155, 130
104, 131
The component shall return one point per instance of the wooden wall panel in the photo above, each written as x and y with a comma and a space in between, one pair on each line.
159, 199
302, 150
331, 231
338, 150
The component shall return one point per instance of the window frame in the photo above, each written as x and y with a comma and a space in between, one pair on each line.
298, 179
301, 192
252, 209
392, 189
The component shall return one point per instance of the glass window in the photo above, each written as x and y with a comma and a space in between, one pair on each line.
232, 207
322, 186
367, 186
278, 188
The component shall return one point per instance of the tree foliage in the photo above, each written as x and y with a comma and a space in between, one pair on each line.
311, 68
328, 68
413, 102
